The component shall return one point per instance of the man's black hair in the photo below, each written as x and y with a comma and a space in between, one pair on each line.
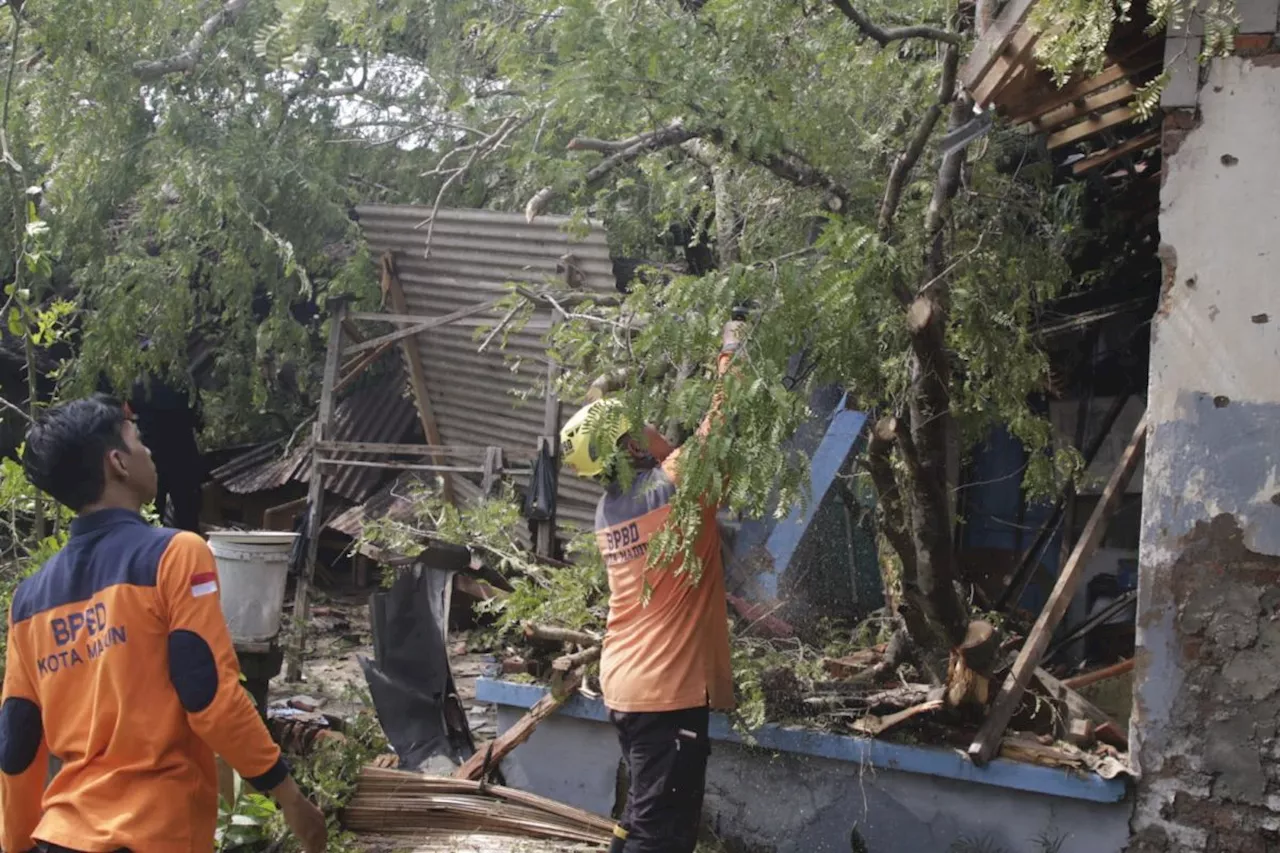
66, 447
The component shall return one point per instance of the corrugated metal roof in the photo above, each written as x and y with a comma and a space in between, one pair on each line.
475, 255
381, 412
391, 502
258, 470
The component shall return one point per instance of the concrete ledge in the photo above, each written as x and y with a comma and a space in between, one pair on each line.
926, 761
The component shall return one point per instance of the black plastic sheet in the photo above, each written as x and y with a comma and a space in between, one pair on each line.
409, 677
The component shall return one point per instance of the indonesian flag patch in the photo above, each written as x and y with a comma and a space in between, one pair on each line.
204, 584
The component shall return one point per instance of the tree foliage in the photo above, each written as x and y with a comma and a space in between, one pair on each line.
193, 167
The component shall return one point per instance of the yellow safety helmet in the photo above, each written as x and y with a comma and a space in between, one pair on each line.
590, 435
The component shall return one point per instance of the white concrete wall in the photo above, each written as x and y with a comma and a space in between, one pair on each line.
1206, 698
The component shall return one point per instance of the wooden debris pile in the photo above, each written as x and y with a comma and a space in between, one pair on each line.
396, 803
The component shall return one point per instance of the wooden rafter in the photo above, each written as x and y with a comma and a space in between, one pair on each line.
1095, 103
1141, 59
417, 370
1110, 155
1090, 126
987, 741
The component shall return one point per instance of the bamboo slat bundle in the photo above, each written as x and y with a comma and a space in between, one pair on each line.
393, 802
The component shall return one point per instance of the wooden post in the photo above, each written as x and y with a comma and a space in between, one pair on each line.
315, 493
550, 439
987, 742
417, 371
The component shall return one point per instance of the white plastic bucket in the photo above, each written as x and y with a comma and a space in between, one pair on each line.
253, 568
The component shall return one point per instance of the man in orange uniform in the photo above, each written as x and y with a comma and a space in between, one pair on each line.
666, 654
120, 664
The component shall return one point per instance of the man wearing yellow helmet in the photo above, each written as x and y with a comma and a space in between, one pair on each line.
666, 648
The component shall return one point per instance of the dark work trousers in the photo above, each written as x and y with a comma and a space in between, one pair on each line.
666, 754
53, 848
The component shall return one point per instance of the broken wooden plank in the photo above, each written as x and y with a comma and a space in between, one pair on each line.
988, 738
424, 324
315, 497
873, 726
1031, 751
1146, 56
1097, 675
491, 754
1110, 155
1095, 103
1090, 126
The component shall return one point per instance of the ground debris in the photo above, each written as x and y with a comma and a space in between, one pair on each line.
391, 802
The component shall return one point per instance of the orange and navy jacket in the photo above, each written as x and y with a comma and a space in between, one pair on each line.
666, 645
120, 664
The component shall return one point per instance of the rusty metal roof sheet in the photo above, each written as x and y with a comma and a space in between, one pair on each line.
258, 470
381, 412
475, 255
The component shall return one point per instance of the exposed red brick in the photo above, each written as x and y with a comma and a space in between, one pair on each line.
515, 666
1253, 44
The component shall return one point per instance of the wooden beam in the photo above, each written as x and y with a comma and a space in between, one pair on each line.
1110, 155
1095, 103
360, 366
377, 447
993, 42
1142, 58
987, 741
315, 496
351, 330
1090, 126
417, 371
1007, 65
1125, 666
490, 755
424, 325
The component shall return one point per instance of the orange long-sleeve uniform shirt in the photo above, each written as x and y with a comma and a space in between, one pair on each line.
669, 650
120, 664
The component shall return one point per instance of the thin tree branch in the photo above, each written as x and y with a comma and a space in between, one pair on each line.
888, 497
478, 150
5, 154
787, 165
352, 89
669, 136
11, 407
908, 159
187, 60
885, 37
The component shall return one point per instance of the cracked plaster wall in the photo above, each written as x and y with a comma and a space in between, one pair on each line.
1207, 704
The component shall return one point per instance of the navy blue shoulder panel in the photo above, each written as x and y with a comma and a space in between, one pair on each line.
125, 551
650, 490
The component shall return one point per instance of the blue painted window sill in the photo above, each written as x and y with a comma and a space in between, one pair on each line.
927, 761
